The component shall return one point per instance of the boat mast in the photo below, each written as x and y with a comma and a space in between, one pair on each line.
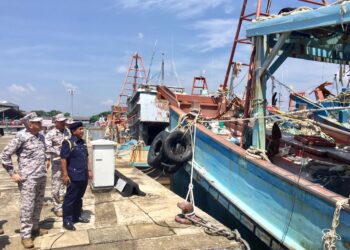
244, 16
137, 74
136, 69
150, 64
162, 82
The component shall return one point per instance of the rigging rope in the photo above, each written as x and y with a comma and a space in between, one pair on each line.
286, 228
291, 113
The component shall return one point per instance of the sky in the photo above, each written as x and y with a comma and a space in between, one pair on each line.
48, 47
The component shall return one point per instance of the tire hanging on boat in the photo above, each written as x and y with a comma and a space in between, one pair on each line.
170, 168
178, 147
156, 151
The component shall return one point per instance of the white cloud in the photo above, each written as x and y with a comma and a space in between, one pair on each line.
214, 33
68, 85
122, 69
29, 49
30, 87
18, 89
109, 102
229, 8
183, 8
140, 35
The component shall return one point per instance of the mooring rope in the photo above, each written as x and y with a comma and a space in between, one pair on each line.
193, 132
330, 236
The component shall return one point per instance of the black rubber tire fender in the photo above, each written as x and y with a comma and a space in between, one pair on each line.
156, 151
171, 168
178, 147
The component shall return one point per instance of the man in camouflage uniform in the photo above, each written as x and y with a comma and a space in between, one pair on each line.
29, 146
53, 140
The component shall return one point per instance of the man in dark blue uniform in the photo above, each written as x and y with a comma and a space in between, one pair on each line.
75, 174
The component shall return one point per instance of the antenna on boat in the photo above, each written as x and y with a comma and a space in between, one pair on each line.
336, 82
341, 75
162, 71
173, 63
150, 64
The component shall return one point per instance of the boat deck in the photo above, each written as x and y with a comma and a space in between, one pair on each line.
116, 222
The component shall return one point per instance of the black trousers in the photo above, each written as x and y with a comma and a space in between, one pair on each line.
73, 201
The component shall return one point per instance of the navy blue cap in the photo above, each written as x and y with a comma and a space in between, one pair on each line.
75, 125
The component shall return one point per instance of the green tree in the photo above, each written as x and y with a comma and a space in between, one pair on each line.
95, 118
53, 113
41, 113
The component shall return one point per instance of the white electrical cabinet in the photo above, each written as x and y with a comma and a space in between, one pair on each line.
103, 163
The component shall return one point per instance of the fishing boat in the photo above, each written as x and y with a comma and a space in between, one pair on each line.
328, 111
272, 199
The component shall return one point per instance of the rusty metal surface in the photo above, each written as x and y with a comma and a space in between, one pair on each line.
152, 109
208, 105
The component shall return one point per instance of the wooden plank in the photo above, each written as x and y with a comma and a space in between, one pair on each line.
322, 17
281, 58
273, 53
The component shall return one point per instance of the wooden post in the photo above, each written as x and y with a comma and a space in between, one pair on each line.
262, 61
259, 101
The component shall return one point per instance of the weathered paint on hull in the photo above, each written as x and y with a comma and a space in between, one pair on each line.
261, 199
179, 185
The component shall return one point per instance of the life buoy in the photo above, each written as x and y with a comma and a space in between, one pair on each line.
178, 147
156, 151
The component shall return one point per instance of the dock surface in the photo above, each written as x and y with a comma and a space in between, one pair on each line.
116, 222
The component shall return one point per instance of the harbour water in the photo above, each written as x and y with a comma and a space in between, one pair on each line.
96, 133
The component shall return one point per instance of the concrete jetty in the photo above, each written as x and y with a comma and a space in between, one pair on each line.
116, 222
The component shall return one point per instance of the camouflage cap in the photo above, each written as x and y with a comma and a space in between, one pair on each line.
31, 117
69, 120
60, 118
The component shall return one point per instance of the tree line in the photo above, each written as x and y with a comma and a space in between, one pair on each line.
51, 113
95, 118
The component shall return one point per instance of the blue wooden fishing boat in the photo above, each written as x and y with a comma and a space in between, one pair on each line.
337, 118
277, 203
279, 207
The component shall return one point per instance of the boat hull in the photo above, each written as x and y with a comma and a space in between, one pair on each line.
268, 200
